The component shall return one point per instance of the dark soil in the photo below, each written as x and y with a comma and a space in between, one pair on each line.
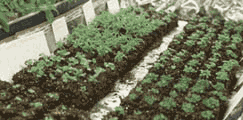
31, 98
149, 111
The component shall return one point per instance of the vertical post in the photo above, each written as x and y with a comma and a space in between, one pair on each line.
113, 6
89, 12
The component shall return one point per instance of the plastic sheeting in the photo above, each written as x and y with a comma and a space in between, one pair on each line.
229, 9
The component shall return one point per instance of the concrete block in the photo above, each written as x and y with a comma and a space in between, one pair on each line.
60, 29
17, 52
113, 6
89, 12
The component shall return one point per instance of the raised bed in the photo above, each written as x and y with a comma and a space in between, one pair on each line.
193, 79
18, 23
68, 84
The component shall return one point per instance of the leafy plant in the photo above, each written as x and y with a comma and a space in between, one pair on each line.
56, 58
173, 67
177, 59
25, 8
92, 78
63, 52
211, 102
194, 36
133, 96
225, 32
94, 60
18, 98
222, 75
228, 65
194, 19
172, 15
220, 94
29, 62
138, 113
119, 56
236, 38
168, 103
167, 53
150, 100
147, 80
188, 107
238, 29
229, 24
139, 89
167, 19
190, 27
152, 76
189, 69
199, 32
179, 36
204, 19
59, 44
194, 98
155, 90
211, 65
199, 55
200, 86
67, 77
111, 65
193, 63
205, 73
219, 86
181, 86
163, 59
176, 41
36, 104
218, 45
204, 26
232, 46
224, 38
181, 53
160, 117
173, 94
207, 114
83, 88
185, 80
73, 61
120, 110
216, 22
231, 53
164, 80
157, 66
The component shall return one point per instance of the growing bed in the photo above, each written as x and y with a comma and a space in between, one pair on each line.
193, 79
84, 70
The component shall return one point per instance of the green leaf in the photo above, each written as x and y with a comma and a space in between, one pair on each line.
132, 96
211, 103
188, 107
194, 98
173, 94
160, 117
4, 22
139, 89
168, 103
120, 110
219, 86
222, 75
3, 8
181, 86
207, 114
